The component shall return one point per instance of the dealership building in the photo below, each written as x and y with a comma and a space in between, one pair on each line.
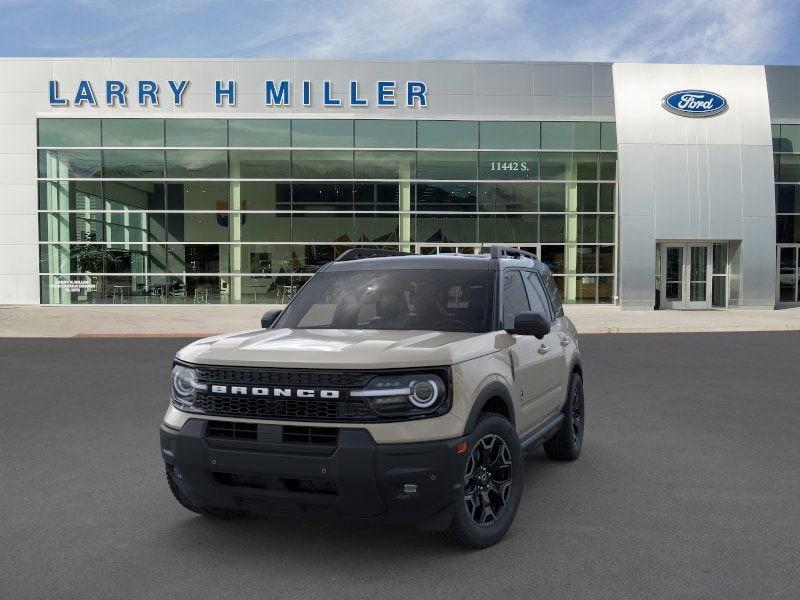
127, 181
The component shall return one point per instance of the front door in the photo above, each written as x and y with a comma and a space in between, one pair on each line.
686, 275
537, 365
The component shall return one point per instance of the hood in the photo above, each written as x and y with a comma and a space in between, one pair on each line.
339, 348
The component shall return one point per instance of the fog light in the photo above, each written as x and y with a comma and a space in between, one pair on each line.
410, 488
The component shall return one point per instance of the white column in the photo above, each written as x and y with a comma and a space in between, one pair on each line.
405, 207
235, 232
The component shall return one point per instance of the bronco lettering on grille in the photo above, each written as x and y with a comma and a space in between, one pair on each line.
239, 390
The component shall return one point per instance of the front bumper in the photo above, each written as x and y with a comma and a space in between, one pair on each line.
353, 478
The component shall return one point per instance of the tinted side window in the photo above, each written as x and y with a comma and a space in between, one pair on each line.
552, 292
537, 295
515, 299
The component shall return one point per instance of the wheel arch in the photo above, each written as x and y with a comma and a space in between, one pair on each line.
576, 367
494, 398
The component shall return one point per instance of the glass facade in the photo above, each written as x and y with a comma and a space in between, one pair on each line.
245, 210
786, 148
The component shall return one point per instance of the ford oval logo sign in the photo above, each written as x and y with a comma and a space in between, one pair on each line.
695, 103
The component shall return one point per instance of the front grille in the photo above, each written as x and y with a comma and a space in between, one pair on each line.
277, 407
232, 431
284, 377
283, 395
287, 434
259, 482
310, 435
290, 409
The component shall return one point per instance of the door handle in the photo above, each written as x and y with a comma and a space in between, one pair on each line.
543, 349
564, 341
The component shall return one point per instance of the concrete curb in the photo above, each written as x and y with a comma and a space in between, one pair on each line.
196, 321
143, 335
720, 329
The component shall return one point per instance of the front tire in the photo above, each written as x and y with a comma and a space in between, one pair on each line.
492, 486
567, 442
206, 511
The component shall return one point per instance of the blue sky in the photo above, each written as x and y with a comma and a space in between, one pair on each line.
712, 31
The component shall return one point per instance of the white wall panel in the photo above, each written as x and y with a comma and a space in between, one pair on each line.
19, 289
15, 136
513, 79
19, 198
18, 169
371, 71
519, 106
670, 185
446, 77
561, 107
708, 194
18, 229
24, 75
21, 107
18, 259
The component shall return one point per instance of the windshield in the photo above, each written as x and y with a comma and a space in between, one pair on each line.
435, 300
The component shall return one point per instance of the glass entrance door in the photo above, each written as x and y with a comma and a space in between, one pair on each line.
788, 272
673, 276
686, 276
699, 272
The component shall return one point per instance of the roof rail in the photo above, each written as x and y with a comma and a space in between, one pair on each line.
497, 251
359, 253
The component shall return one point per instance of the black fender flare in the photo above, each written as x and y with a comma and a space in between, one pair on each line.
574, 367
494, 389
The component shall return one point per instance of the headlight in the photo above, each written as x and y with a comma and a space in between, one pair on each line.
405, 395
184, 387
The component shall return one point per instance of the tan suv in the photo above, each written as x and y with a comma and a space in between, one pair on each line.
392, 387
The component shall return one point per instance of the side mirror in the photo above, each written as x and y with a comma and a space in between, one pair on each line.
269, 317
531, 323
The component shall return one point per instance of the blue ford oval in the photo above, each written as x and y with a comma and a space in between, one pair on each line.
695, 103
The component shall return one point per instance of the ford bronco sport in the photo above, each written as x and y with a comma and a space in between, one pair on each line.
392, 387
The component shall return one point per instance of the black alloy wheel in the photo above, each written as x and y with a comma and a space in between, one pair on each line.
576, 401
567, 442
492, 484
487, 480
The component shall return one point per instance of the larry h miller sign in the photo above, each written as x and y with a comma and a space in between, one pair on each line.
276, 93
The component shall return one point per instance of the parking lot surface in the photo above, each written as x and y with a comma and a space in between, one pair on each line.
688, 487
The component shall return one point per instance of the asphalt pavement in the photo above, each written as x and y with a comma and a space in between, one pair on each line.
688, 487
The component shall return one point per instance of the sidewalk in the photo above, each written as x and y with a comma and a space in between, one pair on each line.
199, 321
610, 319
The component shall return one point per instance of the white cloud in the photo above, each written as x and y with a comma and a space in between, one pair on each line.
411, 28
713, 31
